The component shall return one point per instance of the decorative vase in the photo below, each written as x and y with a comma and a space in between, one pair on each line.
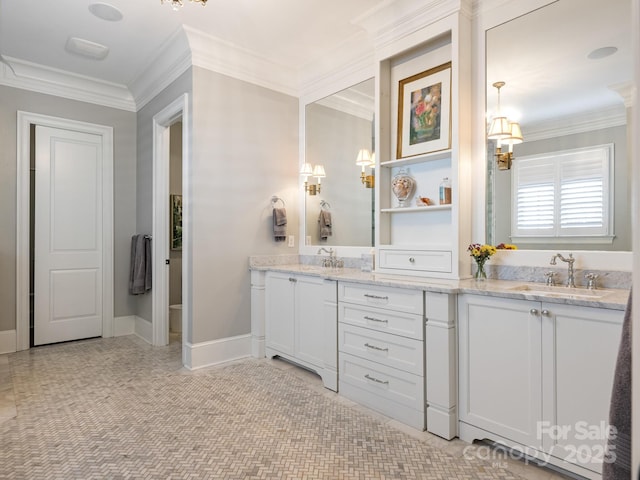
403, 186
481, 273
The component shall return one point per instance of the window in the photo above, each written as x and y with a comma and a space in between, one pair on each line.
564, 194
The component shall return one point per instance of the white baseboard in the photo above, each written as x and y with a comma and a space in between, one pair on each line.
7, 341
205, 354
143, 329
124, 325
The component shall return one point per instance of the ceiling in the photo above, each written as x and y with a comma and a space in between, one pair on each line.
543, 59
291, 33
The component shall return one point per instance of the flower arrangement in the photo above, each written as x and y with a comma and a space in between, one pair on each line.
482, 253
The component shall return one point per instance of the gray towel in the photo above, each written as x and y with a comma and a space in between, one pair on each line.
140, 271
279, 224
325, 224
617, 462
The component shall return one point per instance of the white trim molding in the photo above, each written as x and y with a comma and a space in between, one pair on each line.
23, 147
206, 354
7, 341
25, 75
125, 325
143, 329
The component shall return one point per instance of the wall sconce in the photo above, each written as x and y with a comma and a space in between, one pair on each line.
364, 160
318, 172
504, 131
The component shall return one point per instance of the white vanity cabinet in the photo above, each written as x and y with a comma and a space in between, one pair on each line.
539, 376
381, 349
301, 322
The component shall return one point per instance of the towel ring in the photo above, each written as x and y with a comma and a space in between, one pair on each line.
275, 199
324, 204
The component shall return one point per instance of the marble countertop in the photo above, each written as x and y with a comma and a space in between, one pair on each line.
615, 299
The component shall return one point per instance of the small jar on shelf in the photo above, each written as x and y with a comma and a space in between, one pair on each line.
445, 191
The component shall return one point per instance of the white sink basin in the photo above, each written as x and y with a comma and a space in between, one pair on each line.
559, 292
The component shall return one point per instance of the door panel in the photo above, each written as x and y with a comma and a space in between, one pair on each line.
68, 236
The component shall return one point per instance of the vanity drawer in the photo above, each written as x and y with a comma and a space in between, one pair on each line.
405, 324
418, 260
402, 353
393, 392
398, 299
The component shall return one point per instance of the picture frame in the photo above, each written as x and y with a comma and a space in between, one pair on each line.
424, 112
175, 203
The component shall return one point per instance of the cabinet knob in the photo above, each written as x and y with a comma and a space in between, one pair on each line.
533, 311
292, 279
412, 260
546, 313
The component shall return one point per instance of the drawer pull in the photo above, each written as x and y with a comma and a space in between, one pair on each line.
375, 319
373, 347
374, 379
376, 297
412, 260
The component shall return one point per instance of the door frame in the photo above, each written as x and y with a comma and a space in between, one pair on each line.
23, 254
162, 121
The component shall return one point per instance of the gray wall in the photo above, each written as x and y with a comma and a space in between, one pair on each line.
622, 185
245, 149
144, 181
124, 128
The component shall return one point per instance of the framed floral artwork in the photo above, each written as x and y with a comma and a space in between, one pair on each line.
424, 112
176, 222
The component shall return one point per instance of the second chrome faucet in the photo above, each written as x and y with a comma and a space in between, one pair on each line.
570, 275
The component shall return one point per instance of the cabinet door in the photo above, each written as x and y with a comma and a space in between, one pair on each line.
579, 355
280, 311
312, 326
500, 366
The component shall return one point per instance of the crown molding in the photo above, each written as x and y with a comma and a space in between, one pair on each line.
217, 55
171, 60
395, 19
350, 102
25, 75
614, 116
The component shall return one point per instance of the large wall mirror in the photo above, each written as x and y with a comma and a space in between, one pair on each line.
567, 69
336, 129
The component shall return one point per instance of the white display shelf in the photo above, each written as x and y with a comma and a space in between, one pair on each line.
417, 159
429, 208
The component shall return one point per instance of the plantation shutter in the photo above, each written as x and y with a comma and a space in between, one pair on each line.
563, 194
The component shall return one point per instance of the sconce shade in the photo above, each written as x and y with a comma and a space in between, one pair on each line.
318, 171
499, 129
516, 134
364, 158
306, 170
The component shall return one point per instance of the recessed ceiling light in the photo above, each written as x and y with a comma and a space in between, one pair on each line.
86, 48
106, 12
602, 52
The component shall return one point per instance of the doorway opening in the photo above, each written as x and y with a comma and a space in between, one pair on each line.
173, 120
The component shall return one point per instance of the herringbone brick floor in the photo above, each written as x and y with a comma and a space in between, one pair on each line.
120, 409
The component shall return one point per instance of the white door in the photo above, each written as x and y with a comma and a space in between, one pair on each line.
68, 236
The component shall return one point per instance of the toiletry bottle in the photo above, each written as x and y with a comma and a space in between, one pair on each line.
445, 192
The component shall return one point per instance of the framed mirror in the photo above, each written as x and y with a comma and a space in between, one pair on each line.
566, 77
337, 127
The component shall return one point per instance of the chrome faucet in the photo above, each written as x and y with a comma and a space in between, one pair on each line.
330, 251
332, 261
570, 280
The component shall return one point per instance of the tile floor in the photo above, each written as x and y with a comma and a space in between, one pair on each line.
118, 408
